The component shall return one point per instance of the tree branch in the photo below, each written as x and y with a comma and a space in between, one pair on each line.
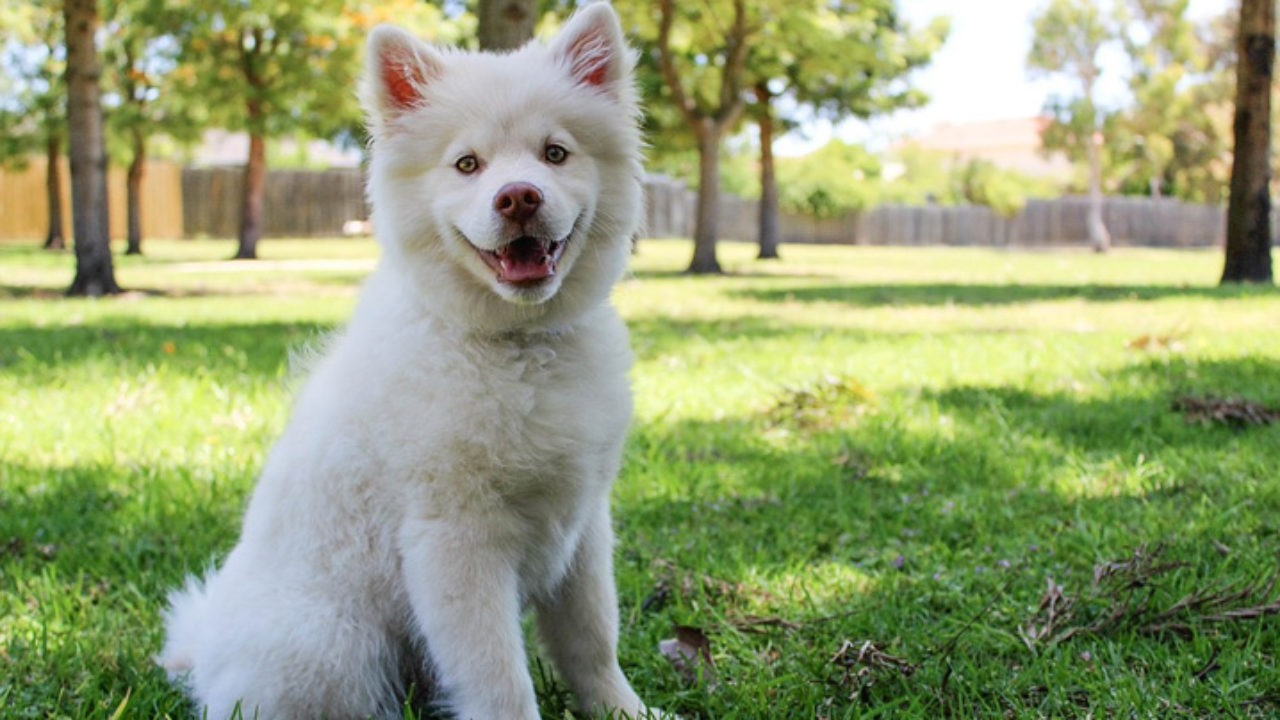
731, 102
669, 74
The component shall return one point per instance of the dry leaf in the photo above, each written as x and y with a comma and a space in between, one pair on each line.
689, 652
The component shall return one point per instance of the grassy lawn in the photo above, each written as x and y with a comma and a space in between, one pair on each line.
872, 482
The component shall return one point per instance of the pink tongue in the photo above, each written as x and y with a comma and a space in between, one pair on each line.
525, 260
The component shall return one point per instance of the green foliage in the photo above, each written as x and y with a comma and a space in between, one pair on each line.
928, 176
279, 66
995, 424
919, 177
982, 183
834, 180
841, 59
1174, 137
1067, 35
839, 178
143, 96
698, 43
739, 167
271, 67
32, 63
833, 60
1067, 38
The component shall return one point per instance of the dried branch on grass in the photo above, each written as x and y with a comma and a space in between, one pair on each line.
1234, 411
1121, 599
865, 663
687, 582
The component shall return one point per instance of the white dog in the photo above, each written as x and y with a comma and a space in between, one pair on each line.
449, 461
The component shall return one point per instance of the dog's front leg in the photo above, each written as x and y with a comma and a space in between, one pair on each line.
579, 625
464, 590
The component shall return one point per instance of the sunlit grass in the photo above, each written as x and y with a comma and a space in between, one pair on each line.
901, 446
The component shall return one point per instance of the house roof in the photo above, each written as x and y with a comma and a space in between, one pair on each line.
1006, 134
1012, 143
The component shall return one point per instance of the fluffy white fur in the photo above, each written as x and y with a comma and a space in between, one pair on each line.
449, 461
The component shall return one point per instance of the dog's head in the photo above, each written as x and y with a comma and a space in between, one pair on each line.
508, 185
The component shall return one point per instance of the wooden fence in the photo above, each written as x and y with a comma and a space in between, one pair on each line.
298, 203
1137, 221
205, 202
24, 209
317, 203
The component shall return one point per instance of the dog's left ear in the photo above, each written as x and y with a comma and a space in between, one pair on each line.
592, 49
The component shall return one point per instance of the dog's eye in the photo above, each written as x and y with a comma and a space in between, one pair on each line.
555, 154
467, 164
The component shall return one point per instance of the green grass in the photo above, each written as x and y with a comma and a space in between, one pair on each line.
901, 446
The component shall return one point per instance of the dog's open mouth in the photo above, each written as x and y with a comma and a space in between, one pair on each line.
526, 260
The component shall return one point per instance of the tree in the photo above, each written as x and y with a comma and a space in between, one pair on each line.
1067, 37
33, 110
920, 176
506, 24
832, 181
701, 59
95, 274
1248, 251
1171, 141
141, 56
835, 60
270, 67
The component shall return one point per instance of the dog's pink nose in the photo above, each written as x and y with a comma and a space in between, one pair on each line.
517, 201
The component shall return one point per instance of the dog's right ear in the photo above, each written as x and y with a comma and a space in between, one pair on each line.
398, 69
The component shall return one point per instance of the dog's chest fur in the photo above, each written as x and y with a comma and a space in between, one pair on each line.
520, 433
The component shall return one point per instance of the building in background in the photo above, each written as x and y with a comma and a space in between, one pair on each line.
1010, 144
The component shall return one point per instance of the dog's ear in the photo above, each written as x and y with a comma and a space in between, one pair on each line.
592, 49
398, 69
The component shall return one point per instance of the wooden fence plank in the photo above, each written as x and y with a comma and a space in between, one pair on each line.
24, 209
205, 202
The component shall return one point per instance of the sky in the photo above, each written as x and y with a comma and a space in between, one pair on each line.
980, 74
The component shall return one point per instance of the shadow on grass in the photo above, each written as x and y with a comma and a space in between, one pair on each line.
650, 274
652, 336
327, 281
989, 294
1143, 416
41, 292
264, 348
259, 348
899, 533
771, 496
892, 531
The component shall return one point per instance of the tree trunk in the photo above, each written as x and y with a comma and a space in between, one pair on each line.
506, 24
768, 181
251, 209
1099, 237
134, 186
55, 240
1248, 254
87, 151
707, 218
